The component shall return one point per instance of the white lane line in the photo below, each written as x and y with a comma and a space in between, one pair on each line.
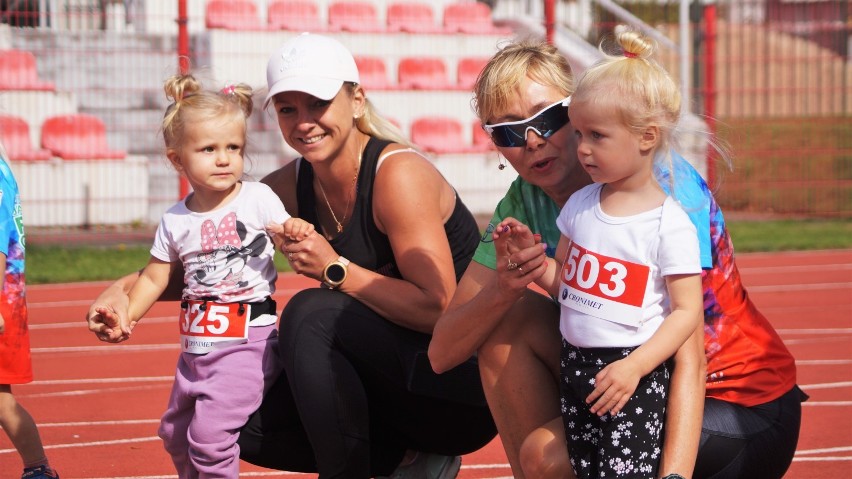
823, 362
132, 379
107, 348
829, 339
279, 293
841, 384
823, 459
123, 422
91, 444
82, 323
797, 269
824, 450
799, 287
86, 392
830, 331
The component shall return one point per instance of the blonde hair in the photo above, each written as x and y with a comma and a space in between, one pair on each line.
497, 84
636, 87
190, 101
372, 123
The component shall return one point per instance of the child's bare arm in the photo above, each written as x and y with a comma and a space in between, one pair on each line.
145, 291
615, 384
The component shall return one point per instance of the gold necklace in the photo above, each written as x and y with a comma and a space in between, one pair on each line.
348, 200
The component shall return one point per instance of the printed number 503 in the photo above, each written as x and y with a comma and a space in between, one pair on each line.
582, 269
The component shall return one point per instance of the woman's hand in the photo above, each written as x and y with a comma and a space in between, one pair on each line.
309, 256
520, 255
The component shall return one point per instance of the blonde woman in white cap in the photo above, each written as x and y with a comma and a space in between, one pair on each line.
358, 397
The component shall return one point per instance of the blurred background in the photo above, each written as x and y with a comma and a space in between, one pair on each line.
81, 92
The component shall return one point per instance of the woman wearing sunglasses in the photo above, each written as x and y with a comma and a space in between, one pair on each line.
752, 410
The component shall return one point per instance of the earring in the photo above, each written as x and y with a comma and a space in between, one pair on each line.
501, 164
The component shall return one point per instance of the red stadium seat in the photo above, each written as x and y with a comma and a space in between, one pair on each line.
18, 72
353, 16
233, 15
77, 137
412, 17
298, 15
15, 134
423, 73
438, 134
468, 69
470, 17
373, 72
481, 140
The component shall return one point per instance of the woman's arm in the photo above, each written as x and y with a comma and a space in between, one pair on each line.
685, 407
411, 202
481, 299
478, 305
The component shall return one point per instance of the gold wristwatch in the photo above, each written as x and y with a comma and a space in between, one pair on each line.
335, 273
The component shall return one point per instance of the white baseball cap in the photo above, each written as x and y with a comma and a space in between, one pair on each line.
315, 64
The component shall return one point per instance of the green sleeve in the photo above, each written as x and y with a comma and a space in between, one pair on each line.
511, 205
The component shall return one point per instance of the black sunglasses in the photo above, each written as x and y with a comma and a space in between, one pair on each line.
544, 123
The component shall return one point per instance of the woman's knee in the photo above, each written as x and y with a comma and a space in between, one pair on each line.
544, 453
529, 329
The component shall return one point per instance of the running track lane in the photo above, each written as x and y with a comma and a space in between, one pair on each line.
98, 405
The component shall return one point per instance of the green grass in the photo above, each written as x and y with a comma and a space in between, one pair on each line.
56, 264
790, 235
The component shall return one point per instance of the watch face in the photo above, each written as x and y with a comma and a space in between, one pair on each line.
335, 273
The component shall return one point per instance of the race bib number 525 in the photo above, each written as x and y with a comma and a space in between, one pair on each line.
602, 286
203, 329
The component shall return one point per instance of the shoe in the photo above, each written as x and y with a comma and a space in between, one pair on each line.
40, 472
429, 466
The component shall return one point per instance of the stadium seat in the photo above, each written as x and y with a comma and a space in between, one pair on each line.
353, 16
422, 73
77, 137
414, 17
373, 72
15, 134
481, 140
18, 72
467, 71
232, 15
298, 15
439, 134
470, 17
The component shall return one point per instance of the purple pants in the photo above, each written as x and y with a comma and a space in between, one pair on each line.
212, 398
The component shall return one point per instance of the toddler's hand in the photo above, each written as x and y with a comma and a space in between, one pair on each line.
297, 229
109, 326
614, 385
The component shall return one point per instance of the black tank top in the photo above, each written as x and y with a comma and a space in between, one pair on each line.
361, 241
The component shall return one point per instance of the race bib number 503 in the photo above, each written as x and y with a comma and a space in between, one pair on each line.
214, 325
602, 286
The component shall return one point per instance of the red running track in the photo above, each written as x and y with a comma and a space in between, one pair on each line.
98, 405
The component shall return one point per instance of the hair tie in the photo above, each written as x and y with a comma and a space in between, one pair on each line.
630, 55
229, 90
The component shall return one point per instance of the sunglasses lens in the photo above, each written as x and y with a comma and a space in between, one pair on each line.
544, 124
509, 135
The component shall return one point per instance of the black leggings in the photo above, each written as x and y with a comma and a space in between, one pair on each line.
755, 442
356, 392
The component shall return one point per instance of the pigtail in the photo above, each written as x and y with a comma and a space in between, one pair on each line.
241, 94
